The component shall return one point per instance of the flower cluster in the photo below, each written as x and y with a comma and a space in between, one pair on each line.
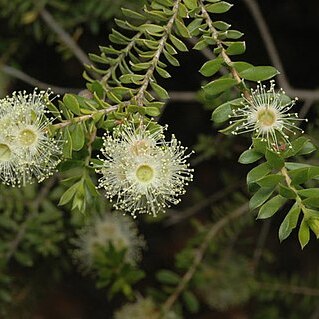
142, 171
266, 113
115, 229
26, 150
143, 308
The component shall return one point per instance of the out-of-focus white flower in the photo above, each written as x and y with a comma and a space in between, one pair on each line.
27, 152
143, 173
143, 308
266, 114
113, 229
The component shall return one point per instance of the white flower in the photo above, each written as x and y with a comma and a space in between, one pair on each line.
142, 172
266, 114
143, 308
9, 162
115, 229
28, 151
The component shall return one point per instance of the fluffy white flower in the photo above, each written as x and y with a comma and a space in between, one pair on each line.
266, 114
27, 150
143, 173
115, 229
143, 308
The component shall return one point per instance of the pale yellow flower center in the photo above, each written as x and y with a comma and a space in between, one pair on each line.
27, 137
266, 117
144, 173
5, 152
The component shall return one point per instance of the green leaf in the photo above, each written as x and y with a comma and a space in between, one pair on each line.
194, 26
168, 277
313, 223
200, 45
211, 67
131, 78
271, 180
240, 66
180, 26
310, 192
97, 88
271, 207
236, 48
259, 73
301, 175
260, 197
232, 128
223, 112
163, 73
152, 111
173, 61
304, 233
274, 159
290, 222
132, 14
78, 137
286, 192
218, 86
71, 102
67, 145
68, 194
153, 29
249, 156
191, 302
179, 45
182, 11
221, 25
233, 34
296, 146
219, 7
191, 4
307, 148
293, 165
258, 172
311, 202
161, 92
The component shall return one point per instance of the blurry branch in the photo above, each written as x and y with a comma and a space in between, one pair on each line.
200, 253
305, 108
34, 208
15, 73
293, 289
65, 37
315, 314
261, 243
176, 217
274, 56
175, 96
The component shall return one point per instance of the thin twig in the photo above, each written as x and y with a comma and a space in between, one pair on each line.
293, 289
149, 74
223, 53
15, 73
65, 37
283, 81
86, 117
175, 96
177, 216
199, 255
305, 108
261, 243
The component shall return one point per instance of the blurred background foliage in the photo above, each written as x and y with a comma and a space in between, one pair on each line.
246, 273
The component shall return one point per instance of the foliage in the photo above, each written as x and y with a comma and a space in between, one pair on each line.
119, 115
